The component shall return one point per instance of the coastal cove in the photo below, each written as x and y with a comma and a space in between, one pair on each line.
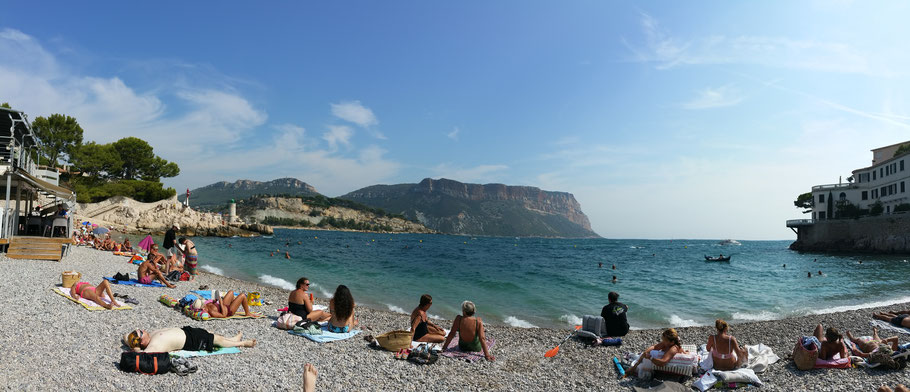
539, 282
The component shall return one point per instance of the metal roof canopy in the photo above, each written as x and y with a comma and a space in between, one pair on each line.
44, 186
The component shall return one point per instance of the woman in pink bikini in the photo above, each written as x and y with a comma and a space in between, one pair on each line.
94, 294
725, 350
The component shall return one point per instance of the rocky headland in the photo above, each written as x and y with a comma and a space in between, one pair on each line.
296, 211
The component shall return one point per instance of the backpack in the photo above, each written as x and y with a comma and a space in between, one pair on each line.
145, 363
287, 320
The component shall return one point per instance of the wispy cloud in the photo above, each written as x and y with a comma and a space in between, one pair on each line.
338, 134
355, 112
666, 51
716, 97
197, 127
453, 134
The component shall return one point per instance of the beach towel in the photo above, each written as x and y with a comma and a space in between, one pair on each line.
326, 336
415, 343
218, 351
454, 352
204, 316
835, 362
90, 305
761, 357
134, 282
888, 326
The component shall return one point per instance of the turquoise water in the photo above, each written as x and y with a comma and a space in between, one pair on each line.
553, 282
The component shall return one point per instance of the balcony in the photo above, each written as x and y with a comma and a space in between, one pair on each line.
800, 222
834, 186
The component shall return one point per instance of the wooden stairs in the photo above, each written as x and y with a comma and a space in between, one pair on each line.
36, 248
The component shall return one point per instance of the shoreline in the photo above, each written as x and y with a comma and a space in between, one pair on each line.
44, 331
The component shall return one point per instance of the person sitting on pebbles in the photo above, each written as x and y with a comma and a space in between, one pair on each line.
126, 246
832, 343
95, 293
471, 334
147, 270
661, 353
422, 328
186, 338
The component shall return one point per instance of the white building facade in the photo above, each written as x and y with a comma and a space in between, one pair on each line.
886, 181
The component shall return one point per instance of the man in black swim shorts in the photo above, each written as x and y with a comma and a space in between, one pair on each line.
186, 338
897, 319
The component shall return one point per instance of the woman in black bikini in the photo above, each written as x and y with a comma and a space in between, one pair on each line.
299, 303
421, 327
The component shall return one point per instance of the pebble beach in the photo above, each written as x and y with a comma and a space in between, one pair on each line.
50, 343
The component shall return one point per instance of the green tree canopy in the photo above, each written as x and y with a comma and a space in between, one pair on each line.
5, 105
59, 134
805, 201
903, 149
97, 160
140, 162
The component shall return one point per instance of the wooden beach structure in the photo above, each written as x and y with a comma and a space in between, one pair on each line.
27, 231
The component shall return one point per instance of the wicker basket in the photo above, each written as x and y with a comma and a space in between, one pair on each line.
804, 359
395, 340
70, 278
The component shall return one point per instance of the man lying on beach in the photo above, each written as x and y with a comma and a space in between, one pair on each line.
147, 270
95, 294
186, 338
897, 319
864, 346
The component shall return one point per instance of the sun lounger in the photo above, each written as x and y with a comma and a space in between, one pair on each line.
90, 305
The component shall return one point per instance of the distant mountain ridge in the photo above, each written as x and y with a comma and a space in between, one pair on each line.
222, 192
454, 207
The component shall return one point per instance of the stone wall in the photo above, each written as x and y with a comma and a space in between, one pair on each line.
882, 234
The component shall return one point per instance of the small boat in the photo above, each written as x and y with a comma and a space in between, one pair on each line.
729, 242
709, 258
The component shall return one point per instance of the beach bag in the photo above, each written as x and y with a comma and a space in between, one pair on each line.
287, 320
185, 277
70, 278
803, 358
395, 340
145, 363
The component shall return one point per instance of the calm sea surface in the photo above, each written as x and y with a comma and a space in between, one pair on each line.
553, 282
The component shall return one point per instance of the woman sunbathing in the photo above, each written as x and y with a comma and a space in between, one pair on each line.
897, 319
300, 303
95, 294
832, 343
725, 350
227, 306
863, 346
421, 327
471, 334
342, 307
661, 353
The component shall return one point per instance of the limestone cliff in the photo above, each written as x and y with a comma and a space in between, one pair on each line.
490, 209
132, 216
220, 193
295, 211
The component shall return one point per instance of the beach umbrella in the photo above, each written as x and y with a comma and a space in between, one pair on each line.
146, 243
100, 230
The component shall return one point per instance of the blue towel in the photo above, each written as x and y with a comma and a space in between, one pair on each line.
206, 294
326, 336
218, 350
134, 282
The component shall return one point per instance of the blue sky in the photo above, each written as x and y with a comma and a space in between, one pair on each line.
664, 119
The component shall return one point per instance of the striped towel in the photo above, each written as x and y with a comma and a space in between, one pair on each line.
681, 364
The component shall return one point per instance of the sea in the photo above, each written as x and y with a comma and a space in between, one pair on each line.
544, 282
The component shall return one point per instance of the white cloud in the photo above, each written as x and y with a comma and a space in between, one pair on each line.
478, 174
453, 134
667, 51
338, 134
212, 133
355, 112
714, 98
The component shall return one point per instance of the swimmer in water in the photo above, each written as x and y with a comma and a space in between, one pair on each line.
287, 255
614, 266
271, 254
614, 278
600, 265
810, 274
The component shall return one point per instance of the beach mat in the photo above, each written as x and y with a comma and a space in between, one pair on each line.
218, 351
236, 316
454, 352
888, 326
90, 305
326, 336
134, 282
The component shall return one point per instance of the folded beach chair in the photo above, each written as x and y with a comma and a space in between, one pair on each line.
592, 327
